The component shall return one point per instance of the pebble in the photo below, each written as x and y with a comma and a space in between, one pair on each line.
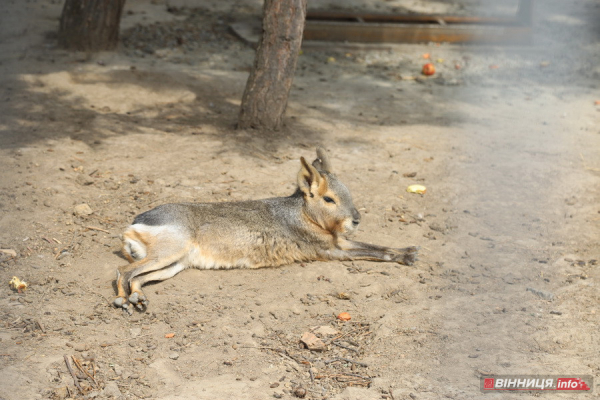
112, 390
300, 392
80, 347
118, 369
135, 331
82, 209
60, 393
436, 227
541, 294
174, 356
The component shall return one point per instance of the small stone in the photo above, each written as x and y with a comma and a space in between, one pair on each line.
80, 347
60, 393
325, 331
509, 279
135, 331
312, 342
437, 227
112, 390
82, 209
300, 392
118, 369
174, 356
541, 294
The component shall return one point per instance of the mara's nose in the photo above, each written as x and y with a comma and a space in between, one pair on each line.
355, 217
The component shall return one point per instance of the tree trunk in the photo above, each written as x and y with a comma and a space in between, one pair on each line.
266, 95
90, 25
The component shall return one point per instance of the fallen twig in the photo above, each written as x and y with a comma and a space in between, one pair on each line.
93, 228
58, 254
362, 364
345, 347
342, 335
78, 364
350, 379
41, 326
72, 373
282, 353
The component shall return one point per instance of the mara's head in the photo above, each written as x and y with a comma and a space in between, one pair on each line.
327, 201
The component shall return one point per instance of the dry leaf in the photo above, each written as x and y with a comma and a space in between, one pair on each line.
17, 284
419, 189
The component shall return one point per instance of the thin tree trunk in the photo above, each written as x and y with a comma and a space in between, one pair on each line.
266, 94
90, 25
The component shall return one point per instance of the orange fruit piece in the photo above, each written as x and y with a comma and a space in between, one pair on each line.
344, 316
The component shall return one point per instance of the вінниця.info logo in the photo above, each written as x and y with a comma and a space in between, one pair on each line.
576, 383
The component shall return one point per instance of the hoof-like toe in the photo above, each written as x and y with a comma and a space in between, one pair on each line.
134, 298
139, 300
411, 255
124, 305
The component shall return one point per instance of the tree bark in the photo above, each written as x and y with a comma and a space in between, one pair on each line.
90, 25
266, 94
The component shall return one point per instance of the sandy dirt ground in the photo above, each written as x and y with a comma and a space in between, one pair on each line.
504, 138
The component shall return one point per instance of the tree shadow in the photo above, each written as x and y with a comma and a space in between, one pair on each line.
59, 96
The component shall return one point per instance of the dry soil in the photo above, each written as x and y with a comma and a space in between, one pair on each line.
505, 138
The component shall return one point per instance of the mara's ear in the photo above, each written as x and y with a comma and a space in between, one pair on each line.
310, 181
322, 161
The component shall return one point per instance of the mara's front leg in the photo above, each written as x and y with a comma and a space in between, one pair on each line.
351, 250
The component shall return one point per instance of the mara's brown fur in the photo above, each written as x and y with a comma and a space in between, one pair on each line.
309, 225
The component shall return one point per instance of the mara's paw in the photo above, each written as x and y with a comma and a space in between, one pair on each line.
139, 300
122, 303
408, 255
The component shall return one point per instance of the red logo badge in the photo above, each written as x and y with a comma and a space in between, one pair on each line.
488, 383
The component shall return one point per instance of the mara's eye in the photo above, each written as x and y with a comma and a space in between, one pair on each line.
329, 199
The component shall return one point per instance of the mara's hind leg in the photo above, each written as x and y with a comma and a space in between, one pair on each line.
127, 273
137, 296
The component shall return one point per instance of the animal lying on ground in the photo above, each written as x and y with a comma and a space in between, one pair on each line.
309, 225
